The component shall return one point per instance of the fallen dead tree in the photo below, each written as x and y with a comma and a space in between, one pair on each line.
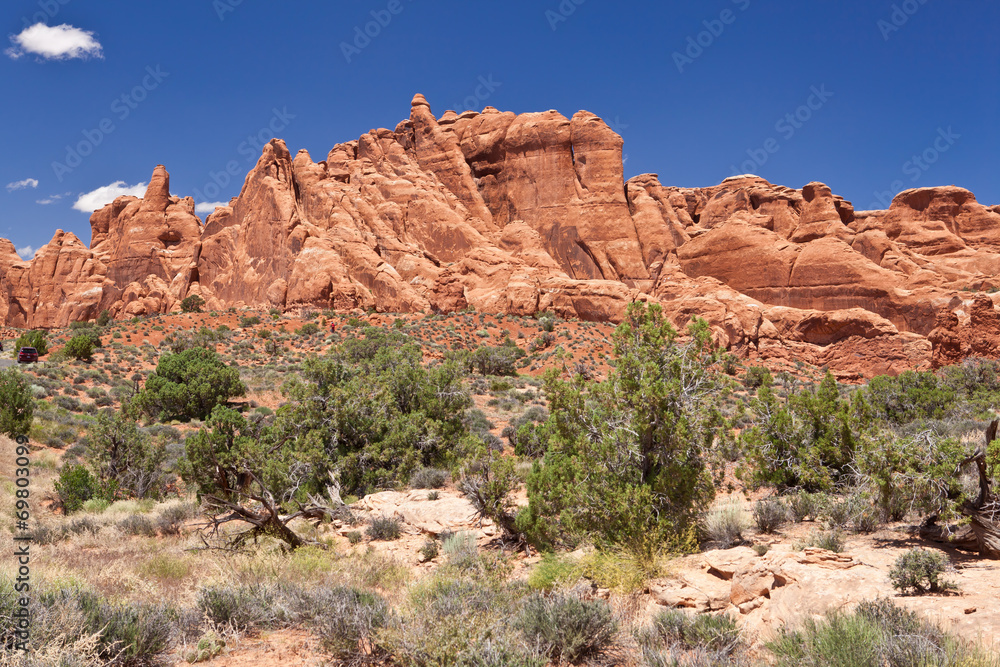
255, 505
982, 533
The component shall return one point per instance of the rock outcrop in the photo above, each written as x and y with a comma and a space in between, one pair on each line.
518, 214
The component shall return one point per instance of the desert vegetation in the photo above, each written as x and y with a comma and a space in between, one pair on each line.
230, 466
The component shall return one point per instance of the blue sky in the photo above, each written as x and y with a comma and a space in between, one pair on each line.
846, 92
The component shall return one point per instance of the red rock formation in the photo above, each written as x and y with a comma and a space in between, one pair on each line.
516, 214
150, 246
977, 336
64, 283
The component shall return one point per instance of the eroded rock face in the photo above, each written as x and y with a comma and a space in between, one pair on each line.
64, 283
147, 244
516, 214
975, 335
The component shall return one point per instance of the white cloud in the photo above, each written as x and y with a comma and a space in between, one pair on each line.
92, 201
209, 206
27, 252
52, 199
22, 185
61, 42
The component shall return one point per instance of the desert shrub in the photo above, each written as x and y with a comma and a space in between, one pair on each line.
488, 484
126, 634
189, 385
770, 514
128, 463
96, 392
104, 318
354, 536
346, 620
172, 518
45, 533
430, 549
866, 519
96, 505
757, 376
138, 525
368, 412
919, 571
80, 347
552, 571
500, 360
459, 618
192, 304
392, 414
627, 461
249, 320
805, 441
17, 406
729, 364
428, 478
35, 339
567, 627
875, 633
804, 505
242, 608
831, 540
307, 329
917, 471
384, 528
527, 433
542, 342
83, 526
690, 632
75, 486
460, 548
616, 570
839, 512
723, 525
68, 403
910, 396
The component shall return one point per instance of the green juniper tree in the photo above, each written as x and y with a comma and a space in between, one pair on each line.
628, 460
189, 384
17, 406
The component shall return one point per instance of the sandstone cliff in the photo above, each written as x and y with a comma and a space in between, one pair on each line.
524, 213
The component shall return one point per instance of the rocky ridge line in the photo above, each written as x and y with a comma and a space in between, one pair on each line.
525, 213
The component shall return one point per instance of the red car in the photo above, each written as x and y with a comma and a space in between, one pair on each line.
27, 355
